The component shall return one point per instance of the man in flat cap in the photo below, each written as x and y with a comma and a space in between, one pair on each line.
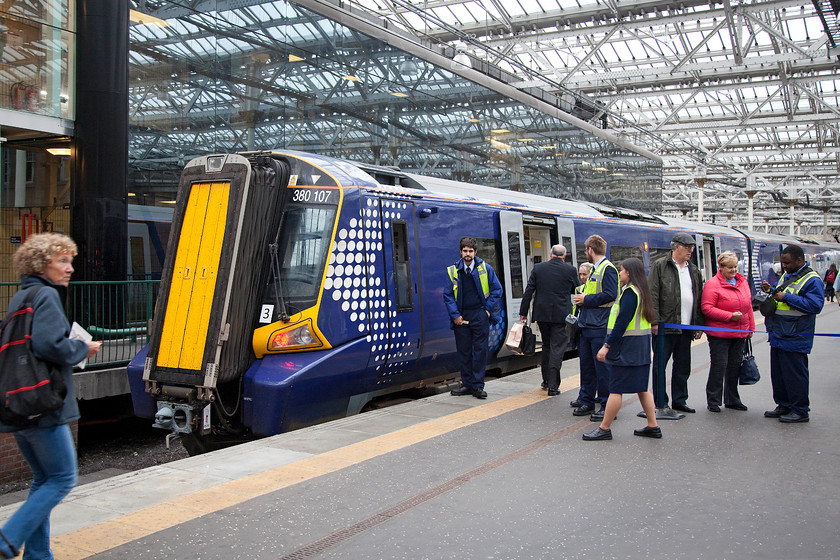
676, 287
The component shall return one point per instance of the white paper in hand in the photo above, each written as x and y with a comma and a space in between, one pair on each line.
79, 333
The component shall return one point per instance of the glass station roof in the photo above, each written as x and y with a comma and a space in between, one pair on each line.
741, 94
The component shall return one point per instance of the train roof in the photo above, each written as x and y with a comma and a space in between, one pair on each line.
701, 227
502, 196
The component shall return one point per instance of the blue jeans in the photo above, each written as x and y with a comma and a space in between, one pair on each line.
51, 455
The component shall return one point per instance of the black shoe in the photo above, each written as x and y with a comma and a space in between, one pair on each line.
461, 391
480, 394
598, 416
553, 392
737, 406
777, 412
683, 408
584, 410
793, 418
576, 403
647, 431
713, 408
597, 434
544, 386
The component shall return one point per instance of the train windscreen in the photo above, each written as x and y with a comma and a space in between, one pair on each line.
304, 247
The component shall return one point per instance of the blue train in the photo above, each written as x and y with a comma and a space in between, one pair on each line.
297, 287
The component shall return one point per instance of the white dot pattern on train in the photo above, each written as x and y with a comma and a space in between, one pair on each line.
354, 278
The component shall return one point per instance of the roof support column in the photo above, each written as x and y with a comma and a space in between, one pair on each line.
791, 222
98, 216
701, 182
750, 192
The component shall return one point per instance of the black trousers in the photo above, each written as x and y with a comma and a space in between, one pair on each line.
725, 355
554, 342
677, 346
790, 377
471, 342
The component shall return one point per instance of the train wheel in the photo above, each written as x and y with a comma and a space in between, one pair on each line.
196, 444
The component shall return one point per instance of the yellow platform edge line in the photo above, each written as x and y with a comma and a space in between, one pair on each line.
120, 530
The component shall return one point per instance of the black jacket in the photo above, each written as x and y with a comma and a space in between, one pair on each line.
664, 284
554, 282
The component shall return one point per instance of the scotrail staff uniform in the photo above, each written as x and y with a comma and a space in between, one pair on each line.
631, 349
791, 336
599, 293
473, 298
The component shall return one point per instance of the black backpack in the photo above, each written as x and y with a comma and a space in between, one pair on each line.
30, 388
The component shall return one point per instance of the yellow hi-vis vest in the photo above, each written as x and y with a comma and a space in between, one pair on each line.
639, 326
482, 277
783, 308
596, 278
578, 290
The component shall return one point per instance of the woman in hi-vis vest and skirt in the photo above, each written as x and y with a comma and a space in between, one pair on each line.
626, 350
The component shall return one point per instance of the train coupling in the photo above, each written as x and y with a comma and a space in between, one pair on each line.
182, 418
175, 417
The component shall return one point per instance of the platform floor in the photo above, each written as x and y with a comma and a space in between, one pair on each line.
509, 477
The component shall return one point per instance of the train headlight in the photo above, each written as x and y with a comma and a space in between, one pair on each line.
299, 337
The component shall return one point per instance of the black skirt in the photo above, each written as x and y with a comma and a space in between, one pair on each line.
629, 379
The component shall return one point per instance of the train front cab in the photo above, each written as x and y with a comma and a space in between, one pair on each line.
367, 303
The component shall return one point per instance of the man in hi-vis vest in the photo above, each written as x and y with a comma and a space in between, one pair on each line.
599, 293
799, 299
473, 297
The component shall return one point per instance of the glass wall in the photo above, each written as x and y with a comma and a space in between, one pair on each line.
37, 45
274, 75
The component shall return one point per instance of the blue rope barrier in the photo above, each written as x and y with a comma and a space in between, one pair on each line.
721, 329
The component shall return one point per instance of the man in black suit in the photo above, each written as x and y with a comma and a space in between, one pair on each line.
554, 282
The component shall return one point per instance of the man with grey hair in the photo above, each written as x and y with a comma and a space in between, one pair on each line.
676, 287
553, 282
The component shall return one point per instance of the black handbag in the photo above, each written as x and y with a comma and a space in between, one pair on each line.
572, 327
528, 344
768, 306
748, 375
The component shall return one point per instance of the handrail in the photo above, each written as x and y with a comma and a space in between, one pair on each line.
117, 313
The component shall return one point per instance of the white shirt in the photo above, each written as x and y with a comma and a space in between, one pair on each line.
686, 293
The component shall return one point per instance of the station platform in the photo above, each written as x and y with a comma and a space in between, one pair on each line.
502, 478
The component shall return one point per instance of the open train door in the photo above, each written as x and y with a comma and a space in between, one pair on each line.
513, 261
566, 235
707, 251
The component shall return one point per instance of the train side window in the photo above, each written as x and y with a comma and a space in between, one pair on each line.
619, 252
517, 288
487, 250
402, 266
658, 254
581, 253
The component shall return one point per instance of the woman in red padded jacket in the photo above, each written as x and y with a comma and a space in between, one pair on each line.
726, 303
